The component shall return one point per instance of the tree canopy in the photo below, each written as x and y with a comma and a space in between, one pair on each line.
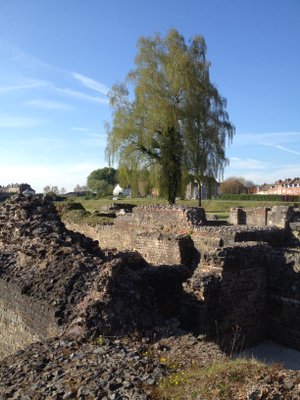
176, 123
102, 180
232, 185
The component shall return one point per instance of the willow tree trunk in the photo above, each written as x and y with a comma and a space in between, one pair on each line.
199, 194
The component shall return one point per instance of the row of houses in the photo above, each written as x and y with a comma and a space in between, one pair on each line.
16, 188
289, 186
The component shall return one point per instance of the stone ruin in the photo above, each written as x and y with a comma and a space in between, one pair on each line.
281, 216
57, 282
237, 285
244, 283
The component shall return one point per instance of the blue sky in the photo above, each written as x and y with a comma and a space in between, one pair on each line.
59, 58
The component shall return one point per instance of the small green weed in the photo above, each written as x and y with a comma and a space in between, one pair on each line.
100, 341
221, 381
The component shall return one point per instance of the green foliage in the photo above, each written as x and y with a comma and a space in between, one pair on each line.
69, 205
140, 180
84, 217
75, 212
221, 381
102, 181
177, 119
260, 197
100, 340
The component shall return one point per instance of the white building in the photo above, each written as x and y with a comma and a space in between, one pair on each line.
119, 190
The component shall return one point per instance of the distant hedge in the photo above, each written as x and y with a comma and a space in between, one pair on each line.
261, 197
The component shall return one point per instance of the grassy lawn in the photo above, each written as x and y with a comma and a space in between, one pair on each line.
218, 207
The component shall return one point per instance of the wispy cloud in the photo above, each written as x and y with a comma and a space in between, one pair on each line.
79, 129
289, 170
283, 148
265, 139
17, 55
260, 171
50, 86
32, 63
19, 122
272, 175
240, 164
280, 136
90, 83
26, 84
47, 104
79, 95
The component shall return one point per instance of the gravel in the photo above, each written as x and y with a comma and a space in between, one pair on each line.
270, 353
104, 369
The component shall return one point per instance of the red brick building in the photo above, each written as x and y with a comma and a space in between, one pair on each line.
289, 186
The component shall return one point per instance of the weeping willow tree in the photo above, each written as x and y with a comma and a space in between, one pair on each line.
207, 126
138, 178
175, 120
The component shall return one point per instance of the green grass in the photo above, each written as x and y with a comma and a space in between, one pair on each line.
75, 212
93, 205
227, 380
70, 210
84, 217
210, 206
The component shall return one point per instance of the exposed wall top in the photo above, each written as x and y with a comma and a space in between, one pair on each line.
165, 217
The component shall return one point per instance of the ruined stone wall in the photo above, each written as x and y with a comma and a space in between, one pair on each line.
159, 233
231, 282
55, 280
278, 216
272, 235
250, 292
284, 297
157, 248
22, 321
257, 216
241, 290
214, 237
281, 216
237, 216
108, 236
251, 216
162, 246
165, 249
167, 217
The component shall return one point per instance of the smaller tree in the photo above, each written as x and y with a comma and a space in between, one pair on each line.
247, 183
232, 185
51, 189
47, 189
79, 188
102, 181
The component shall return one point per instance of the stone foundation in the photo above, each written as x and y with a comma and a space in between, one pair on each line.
278, 216
219, 281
